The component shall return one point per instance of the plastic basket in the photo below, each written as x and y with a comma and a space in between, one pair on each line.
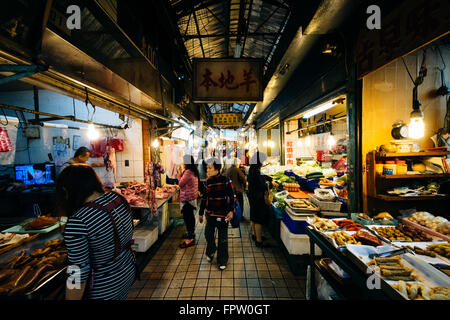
325, 205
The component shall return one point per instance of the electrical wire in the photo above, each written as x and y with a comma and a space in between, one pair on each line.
443, 61
410, 76
6, 118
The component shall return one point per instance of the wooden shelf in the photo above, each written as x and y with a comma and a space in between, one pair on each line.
414, 176
418, 198
413, 154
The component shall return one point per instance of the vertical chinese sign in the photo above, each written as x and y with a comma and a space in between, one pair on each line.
289, 152
228, 80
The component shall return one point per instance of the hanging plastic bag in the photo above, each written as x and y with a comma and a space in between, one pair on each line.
5, 142
235, 222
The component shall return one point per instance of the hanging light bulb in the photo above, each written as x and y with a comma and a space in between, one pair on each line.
92, 133
155, 143
265, 144
299, 143
416, 127
308, 141
331, 140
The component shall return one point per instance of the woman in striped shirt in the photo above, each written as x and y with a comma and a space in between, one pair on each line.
98, 236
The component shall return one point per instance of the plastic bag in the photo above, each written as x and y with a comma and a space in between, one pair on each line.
324, 194
235, 222
5, 142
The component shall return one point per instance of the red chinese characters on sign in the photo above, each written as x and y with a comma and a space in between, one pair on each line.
228, 80
289, 152
207, 81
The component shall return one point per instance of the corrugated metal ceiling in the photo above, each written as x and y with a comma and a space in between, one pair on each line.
234, 28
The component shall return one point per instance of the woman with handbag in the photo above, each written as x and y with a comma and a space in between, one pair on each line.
259, 196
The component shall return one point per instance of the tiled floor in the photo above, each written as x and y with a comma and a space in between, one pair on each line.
184, 274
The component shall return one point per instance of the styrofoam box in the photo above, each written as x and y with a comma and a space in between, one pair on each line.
296, 223
144, 237
296, 244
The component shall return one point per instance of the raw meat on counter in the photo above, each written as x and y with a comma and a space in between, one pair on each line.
134, 193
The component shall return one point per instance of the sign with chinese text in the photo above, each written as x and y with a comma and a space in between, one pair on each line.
289, 153
412, 25
227, 119
228, 80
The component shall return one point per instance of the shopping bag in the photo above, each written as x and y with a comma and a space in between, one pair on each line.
5, 143
236, 216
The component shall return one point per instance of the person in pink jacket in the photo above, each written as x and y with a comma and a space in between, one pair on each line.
188, 181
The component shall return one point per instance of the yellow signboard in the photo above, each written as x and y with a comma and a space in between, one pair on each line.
227, 119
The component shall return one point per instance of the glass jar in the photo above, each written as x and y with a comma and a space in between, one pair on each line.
402, 168
379, 166
390, 168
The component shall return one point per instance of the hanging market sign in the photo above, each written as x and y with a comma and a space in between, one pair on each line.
227, 119
412, 25
228, 80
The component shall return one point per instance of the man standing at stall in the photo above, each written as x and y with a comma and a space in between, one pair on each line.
81, 156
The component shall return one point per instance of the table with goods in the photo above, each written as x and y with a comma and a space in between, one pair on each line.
381, 257
33, 257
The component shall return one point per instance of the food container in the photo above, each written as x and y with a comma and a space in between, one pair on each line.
402, 168
390, 168
379, 166
405, 146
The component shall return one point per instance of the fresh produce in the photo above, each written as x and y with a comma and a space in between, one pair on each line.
314, 175
442, 249
291, 187
348, 224
323, 224
342, 238
366, 237
392, 269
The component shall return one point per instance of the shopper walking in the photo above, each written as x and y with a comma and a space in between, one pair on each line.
98, 236
239, 181
218, 202
188, 181
257, 186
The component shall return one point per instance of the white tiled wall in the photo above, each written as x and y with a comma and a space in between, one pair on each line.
36, 150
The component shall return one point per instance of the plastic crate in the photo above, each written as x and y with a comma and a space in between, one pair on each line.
296, 244
295, 223
325, 205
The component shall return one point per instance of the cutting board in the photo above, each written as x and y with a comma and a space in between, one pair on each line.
299, 195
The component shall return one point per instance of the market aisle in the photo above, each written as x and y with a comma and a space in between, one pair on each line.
185, 274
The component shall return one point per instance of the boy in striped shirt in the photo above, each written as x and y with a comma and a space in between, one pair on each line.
218, 202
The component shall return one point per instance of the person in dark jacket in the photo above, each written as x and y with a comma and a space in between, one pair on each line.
239, 181
257, 186
218, 202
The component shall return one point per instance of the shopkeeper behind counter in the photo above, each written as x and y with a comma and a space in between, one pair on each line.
81, 156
